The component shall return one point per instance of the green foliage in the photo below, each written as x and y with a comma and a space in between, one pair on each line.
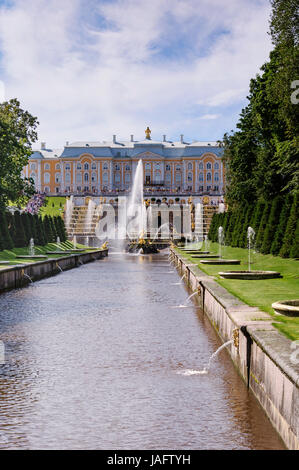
7, 242
39, 229
294, 252
272, 224
288, 239
262, 156
20, 236
17, 133
262, 227
283, 220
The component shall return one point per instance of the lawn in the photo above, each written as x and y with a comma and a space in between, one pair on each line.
10, 255
260, 293
55, 206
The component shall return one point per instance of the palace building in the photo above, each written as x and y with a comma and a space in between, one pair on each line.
96, 168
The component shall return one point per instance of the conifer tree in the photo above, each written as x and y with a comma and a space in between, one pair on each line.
282, 224
294, 252
7, 242
20, 236
262, 226
290, 229
272, 224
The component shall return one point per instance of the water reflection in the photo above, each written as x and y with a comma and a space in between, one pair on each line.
92, 361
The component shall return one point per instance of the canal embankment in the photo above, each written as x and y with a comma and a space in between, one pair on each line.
13, 277
262, 355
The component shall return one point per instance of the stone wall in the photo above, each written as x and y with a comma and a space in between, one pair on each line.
261, 354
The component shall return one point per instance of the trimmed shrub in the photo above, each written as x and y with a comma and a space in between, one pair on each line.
262, 227
280, 230
20, 240
294, 252
7, 243
290, 229
272, 224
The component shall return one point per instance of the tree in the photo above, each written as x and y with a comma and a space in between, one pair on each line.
262, 227
280, 229
294, 252
7, 243
290, 229
17, 133
272, 224
20, 236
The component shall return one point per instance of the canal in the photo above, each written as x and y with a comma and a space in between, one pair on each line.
96, 358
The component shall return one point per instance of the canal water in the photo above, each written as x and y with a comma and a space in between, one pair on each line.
96, 358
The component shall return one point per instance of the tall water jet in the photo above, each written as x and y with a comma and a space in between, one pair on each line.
220, 240
69, 211
31, 250
89, 215
58, 242
250, 237
75, 242
136, 215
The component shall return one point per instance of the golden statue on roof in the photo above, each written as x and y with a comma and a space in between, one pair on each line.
148, 133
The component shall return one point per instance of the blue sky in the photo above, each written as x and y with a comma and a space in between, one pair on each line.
89, 69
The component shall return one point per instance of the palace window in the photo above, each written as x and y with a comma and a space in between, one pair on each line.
86, 177
216, 177
209, 177
168, 178
47, 166
46, 178
94, 177
33, 176
86, 166
79, 166
105, 177
127, 178
57, 178
78, 178
147, 166
57, 166
32, 166
167, 167
190, 166
209, 166
68, 166
94, 166
105, 166
157, 166
178, 177
117, 167
128, 168
200, 176
189, 176
216, 166
178, 168
208, 188
47, 190
68, 178
117, 178
200, 166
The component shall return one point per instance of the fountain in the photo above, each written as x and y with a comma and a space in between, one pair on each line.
290, 308
249, 275
58, 242
220, 260
31, 252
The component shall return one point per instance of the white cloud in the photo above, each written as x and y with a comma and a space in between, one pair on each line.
209, 116
126, 69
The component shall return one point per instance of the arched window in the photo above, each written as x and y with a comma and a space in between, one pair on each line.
117, 177
86, 166
200, 165
68, 178
105, 166
47, 190
216, 166
147, 166
157, 177
216, 177
189, 176
33, 176
47, 166
178, 177
167, 167
78, 178
57, 178
200, 176
94, 177
157, 166
128, 168
79, 166
105, 177
209, 177
117, 167
68, 166
190, 166
168, 177
94, 166
32, 166
57, 166
46, 178
209, 166
178, 168
86, 177
127, 178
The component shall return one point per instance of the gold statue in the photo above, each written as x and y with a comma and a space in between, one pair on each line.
148, 133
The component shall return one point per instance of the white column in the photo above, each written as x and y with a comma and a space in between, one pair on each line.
39, 176
111, 175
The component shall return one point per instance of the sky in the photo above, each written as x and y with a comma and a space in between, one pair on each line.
89, 69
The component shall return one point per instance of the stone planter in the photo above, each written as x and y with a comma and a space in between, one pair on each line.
220, 261
249, 275
289, 308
